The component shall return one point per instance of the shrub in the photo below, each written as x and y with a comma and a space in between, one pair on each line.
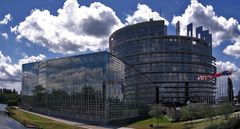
173, 114
226, 109
209, 111
234, 123
192, 111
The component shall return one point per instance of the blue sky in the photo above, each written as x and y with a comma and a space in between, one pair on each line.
36, 30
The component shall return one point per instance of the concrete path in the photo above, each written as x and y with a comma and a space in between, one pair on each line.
77, 124
235, 114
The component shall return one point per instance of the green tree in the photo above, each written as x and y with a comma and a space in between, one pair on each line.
173, 114
209, 111
9, 97
192, 111
226, 109
157, 112
186, 113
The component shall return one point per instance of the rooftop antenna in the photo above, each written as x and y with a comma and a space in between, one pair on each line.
178, 28
150, 17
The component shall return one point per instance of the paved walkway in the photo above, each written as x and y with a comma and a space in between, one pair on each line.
77, 124
235, 114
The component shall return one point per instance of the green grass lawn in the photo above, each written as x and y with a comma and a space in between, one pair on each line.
207, 122
40, 122
164, 123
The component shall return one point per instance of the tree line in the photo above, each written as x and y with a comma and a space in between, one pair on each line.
9, 97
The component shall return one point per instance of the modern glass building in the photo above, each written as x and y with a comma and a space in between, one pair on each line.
172, 63
86, 87
145, 66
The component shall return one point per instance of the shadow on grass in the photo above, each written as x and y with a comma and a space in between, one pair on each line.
160, 127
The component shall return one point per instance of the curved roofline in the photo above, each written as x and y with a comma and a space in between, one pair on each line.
133, 25
175, 36
163, 36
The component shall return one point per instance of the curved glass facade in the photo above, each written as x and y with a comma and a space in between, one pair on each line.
171, 62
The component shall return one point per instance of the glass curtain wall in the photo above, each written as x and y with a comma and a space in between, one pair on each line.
172, 62
86, 87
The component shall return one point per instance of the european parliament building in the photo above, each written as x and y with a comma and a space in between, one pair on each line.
172, 63
145, 66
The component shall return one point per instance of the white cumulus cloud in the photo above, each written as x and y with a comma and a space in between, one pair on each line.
27, 59
11, 73
233, 49
221, 28
144, 13
74, 29
77, 28
6, 19
4, 35
221, 66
